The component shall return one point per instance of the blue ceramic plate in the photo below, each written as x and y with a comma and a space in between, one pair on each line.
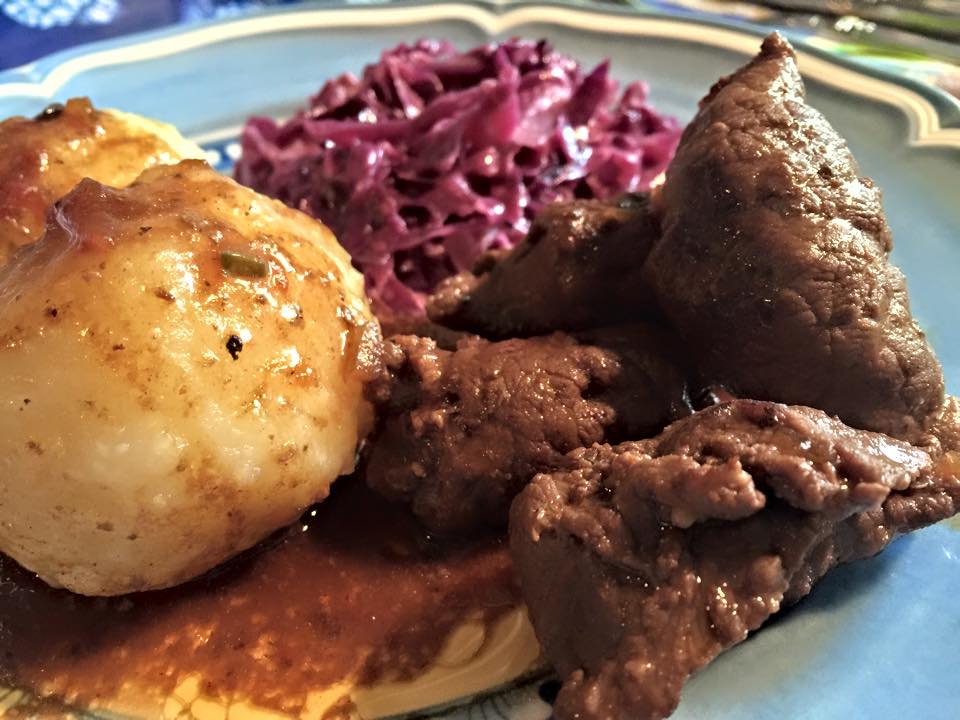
879, 639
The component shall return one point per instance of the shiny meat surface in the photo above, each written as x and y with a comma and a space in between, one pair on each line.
579, 267
675, 548
773, 264
41, 159
462, 432
182, 366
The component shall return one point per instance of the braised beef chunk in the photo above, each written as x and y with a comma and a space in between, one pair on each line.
579, 267
643, 561
773, 262
762, 269
462, 432
444, 337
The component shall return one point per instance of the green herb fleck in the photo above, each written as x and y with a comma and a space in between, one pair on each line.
242, 265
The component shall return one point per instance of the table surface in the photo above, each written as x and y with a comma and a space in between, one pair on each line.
919, 39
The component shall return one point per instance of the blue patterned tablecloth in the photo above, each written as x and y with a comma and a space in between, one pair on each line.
30, 29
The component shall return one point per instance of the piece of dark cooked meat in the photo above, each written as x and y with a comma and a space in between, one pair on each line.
444, 337
461, 432
579, 267
773, 263
644, 561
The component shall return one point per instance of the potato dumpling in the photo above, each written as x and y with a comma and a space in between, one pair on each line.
42, 158
183, 363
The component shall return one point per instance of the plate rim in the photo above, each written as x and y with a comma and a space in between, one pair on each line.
933, 115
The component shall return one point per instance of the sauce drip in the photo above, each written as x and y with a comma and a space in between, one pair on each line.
358, 590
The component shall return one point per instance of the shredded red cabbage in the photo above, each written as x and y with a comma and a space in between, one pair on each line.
434, 157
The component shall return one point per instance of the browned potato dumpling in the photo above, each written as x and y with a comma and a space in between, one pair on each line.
42, 158
183, 364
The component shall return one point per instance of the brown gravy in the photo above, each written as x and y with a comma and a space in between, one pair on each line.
358, 590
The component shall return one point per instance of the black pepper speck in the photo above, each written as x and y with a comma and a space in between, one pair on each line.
234, 346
